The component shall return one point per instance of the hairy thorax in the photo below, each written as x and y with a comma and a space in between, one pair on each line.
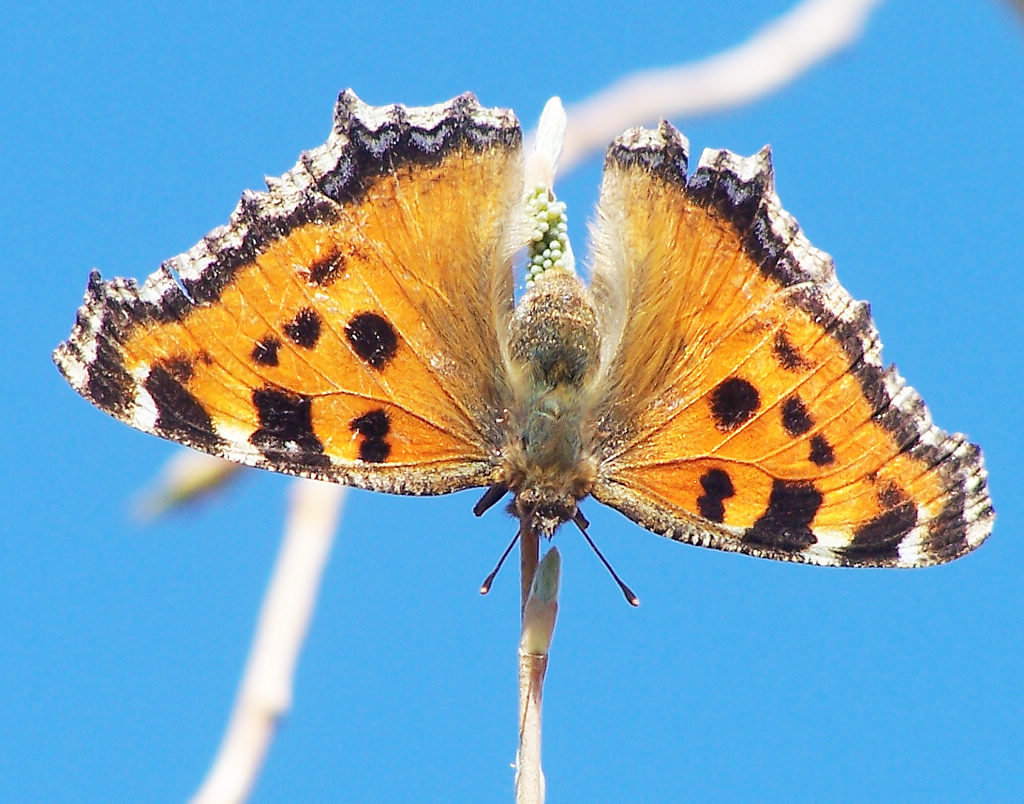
554, 349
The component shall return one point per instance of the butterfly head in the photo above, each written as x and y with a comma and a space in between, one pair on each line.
544, 509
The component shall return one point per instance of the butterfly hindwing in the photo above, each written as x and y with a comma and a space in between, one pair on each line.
344, 324
746, 406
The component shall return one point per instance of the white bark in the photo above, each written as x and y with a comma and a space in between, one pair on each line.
776, 55
265, 693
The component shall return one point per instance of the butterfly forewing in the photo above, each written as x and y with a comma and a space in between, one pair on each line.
343, 324
746, 406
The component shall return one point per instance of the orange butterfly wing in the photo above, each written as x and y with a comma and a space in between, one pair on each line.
746, 406
343, 325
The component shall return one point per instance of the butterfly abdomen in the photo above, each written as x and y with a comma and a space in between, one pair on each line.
554, 349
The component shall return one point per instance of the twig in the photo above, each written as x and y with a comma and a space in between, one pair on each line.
539, 614
777, 54
265, 693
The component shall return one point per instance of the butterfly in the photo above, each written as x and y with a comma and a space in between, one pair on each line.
358, 323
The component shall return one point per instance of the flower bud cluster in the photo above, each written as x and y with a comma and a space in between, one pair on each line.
549, 239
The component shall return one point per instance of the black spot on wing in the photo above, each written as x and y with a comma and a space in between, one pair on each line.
180, 368
795, 417
265, 351
373, 339
374, 424
733, 402
286, 428
889, 495
785, 524
374, 450
327, 269
879, 539
304, 329
821, 451
789, 358
180, 416
717, 488
374, 428
947, 534
110, 385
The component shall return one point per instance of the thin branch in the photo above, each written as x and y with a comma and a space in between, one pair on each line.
265, 693
539, 615
776, 55
530, 784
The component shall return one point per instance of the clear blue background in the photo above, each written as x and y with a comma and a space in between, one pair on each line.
127, 134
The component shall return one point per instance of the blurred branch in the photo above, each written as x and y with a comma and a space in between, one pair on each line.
187, 477
777, 54
265, 693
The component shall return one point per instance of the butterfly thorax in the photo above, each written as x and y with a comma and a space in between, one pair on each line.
554, 349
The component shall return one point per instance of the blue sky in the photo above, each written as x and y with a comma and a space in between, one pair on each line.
128, 133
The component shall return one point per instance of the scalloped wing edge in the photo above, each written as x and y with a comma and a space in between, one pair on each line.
742, 189
365, 141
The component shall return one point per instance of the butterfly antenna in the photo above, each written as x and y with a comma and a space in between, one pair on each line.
581, 522
485, 587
